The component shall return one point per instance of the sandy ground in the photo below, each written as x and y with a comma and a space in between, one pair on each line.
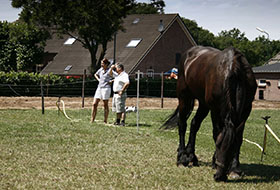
76, 103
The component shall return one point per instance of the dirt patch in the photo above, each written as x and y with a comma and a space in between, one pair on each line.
76, 103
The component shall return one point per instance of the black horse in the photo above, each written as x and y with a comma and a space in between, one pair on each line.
223, 83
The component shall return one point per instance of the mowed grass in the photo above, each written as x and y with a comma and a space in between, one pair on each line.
50, 152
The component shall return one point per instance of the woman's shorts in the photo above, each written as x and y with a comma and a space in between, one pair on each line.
118, 103
102, 93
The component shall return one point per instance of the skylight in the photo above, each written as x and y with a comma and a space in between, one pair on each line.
68, 68
136, 20
70, 41
134, 42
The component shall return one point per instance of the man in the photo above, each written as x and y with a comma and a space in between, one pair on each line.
121, 83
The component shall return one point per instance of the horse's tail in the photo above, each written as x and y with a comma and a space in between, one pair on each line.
172, 120
239, 97
242, 85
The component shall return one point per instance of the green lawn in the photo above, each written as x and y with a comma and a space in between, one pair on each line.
50, 152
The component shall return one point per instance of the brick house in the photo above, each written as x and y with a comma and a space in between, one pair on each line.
268, 80
142, 46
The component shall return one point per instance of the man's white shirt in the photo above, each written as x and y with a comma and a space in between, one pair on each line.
120, 80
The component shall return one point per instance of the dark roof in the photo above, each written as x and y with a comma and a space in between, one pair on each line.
74, 55
268, 68
145, 29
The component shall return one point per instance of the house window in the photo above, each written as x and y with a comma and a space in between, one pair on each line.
134, 42
262, 83
68, 68
278, 83
150, 73
136, 21
178, 57
261, 94
69, 41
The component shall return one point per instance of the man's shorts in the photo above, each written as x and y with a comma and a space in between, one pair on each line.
102, 93
118, 103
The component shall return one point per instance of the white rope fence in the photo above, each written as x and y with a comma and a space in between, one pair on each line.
63, 110
273, 134
251, 142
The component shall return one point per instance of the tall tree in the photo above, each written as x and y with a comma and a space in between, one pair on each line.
21, 46
91, 22
154, 7
201, 36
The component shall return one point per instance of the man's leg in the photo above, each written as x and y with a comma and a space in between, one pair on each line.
123, 118
118, 121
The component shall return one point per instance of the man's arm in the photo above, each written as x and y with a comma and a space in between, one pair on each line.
125, 86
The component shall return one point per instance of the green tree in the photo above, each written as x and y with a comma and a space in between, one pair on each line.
233, 37
154, 7
7, 49
257, 52
21, 46
201, 36
91, 22
237, 39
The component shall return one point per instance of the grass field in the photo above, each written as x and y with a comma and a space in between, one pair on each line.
50, 152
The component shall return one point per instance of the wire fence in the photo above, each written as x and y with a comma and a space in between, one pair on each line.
157, 85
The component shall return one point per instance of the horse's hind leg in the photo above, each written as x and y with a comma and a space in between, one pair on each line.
201, 113
185, 107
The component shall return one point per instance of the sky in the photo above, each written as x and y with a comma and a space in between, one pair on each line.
212, 15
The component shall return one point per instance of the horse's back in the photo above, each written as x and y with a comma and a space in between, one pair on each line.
207, 72
200, 71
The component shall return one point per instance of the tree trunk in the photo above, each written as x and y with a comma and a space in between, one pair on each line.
103, 52
93, 66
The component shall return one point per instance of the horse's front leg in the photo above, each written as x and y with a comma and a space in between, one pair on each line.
182, 158
201, 113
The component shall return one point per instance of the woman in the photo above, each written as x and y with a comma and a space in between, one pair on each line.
103, 90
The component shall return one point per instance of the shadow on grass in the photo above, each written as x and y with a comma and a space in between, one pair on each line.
254, 173
260, 173
135, 125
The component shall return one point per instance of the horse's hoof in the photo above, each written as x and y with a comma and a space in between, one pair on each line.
182, 159
193, 159
195, 164
237, 171
214, 166
180, 164
234, 175
219, 178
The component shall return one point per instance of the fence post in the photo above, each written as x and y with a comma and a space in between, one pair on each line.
162, 79
42, 95
265, 135
137, 104
83, 89
48, 84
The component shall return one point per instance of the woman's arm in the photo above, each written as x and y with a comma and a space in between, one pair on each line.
97, 77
